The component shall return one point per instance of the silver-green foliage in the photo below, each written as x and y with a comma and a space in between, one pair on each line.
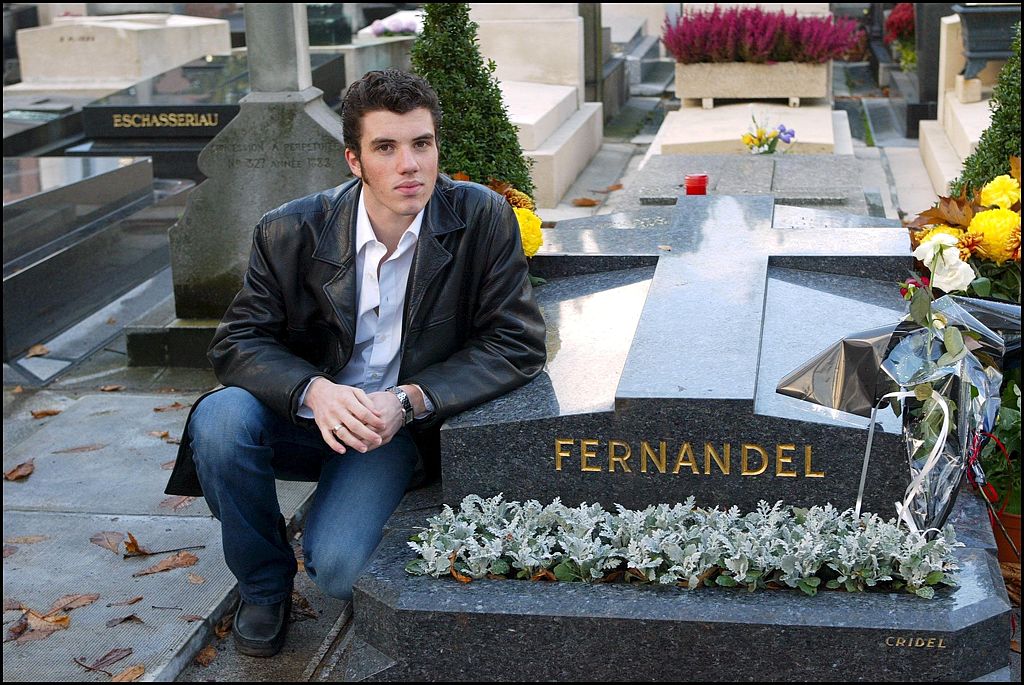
684, 545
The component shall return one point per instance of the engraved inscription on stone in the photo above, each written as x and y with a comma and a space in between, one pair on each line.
916, 642
742, 458
276, 155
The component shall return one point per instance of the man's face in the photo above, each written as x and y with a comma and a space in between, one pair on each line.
397, 162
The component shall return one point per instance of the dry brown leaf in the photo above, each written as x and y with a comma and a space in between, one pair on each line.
108, 539
168, 465
111, 388
666, 248
1015, 168
223, 627
111, 657
26, 539
613, 187
1015, 646
43, 413
111, 321
176, 560
460, 176
461, 577
191, 618
71, 602
174, 406
585, 202
13, 605
196, 579
302, 610
9, 550
16, 630
127, 602
130, 674
177, 502
130, 618
81, 448
21, 471
38, 350
167, 389
206, 656
163, 435
132, 548
41, 627
17, 390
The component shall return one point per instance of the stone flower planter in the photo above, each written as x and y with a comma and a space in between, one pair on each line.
792, 80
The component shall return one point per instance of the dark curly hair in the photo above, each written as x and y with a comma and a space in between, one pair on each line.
392, 90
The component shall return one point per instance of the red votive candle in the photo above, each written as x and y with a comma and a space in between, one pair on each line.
696, 184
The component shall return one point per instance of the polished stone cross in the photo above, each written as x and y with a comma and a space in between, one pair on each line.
665, 347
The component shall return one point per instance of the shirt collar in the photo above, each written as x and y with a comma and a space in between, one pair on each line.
364, 230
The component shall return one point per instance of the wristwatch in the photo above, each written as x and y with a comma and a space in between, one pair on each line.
404, 399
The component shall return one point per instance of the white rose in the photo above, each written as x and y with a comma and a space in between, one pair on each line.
937, 243
950, 274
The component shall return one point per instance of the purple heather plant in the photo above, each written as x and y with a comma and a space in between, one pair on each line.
750, 34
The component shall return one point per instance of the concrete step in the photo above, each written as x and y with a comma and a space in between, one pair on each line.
660, 79
641, 60
627, 32
964, 123
883, 123
841, 134
537, 109
565, 153
941, 159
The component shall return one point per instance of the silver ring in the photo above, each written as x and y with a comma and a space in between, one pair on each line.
333, 430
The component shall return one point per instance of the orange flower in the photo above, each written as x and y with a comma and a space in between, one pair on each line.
969, 243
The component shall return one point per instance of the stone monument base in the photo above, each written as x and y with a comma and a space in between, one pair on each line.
161, 339
421, 628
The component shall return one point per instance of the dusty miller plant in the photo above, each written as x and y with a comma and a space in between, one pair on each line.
773, 546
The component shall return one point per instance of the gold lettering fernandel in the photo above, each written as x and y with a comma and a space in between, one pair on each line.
620, 456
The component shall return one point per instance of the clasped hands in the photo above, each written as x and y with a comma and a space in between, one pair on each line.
348, 416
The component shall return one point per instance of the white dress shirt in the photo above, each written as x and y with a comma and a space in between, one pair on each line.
377, 351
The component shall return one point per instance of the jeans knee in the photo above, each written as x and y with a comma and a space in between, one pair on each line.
334, 572
224, 420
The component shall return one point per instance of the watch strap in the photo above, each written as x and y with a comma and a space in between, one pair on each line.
403, 397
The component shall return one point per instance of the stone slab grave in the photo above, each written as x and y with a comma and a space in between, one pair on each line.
813, 181
665, 344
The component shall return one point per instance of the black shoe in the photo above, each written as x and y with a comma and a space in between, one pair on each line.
260, 629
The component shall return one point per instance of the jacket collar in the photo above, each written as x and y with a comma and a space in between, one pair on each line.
337, 242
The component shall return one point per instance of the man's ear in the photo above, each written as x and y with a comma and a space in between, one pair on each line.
353, 162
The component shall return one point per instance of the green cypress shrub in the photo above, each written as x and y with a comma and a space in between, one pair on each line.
1001, 139
477, 138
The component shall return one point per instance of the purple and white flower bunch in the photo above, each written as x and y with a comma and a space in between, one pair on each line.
395, 25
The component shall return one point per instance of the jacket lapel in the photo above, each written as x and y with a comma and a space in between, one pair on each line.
431, 255
335, 249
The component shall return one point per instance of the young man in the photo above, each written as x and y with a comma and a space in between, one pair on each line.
369, 313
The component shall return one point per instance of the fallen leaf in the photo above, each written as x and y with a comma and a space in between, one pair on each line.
111, 388
130, 674
585, 202
111, 321
163, 435
112, 657
168, 465
41, 627
460, 176
43, 413
130, 618
206, 656
301, 608
21, 471
38, 350
175, 406
132, 548
223, 627
13, 605
173, 441
71, 602
1015, 646
177, 560
17, 630
461, 577
17, 390
667, 248
167, 389
81, 448
191, 618
177, 502
196, 579
127, 602
109, 539
9, 550
613, 187
27, 539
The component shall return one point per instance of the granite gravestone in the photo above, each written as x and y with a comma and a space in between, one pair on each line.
284, 143
664, 349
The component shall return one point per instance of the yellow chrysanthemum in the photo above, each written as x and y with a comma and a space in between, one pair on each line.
518, 198
997, 228
941, 228
747, 139
529, 230
969, 244
1002, 191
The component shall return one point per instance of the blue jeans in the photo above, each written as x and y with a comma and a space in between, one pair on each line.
240, 445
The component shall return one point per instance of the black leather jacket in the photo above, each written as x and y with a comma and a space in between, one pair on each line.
471, 331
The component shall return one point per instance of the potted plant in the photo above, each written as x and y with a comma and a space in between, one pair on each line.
746, 52
1000, 460
900, 37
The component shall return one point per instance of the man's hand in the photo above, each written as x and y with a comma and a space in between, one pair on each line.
347, 416
389, 408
